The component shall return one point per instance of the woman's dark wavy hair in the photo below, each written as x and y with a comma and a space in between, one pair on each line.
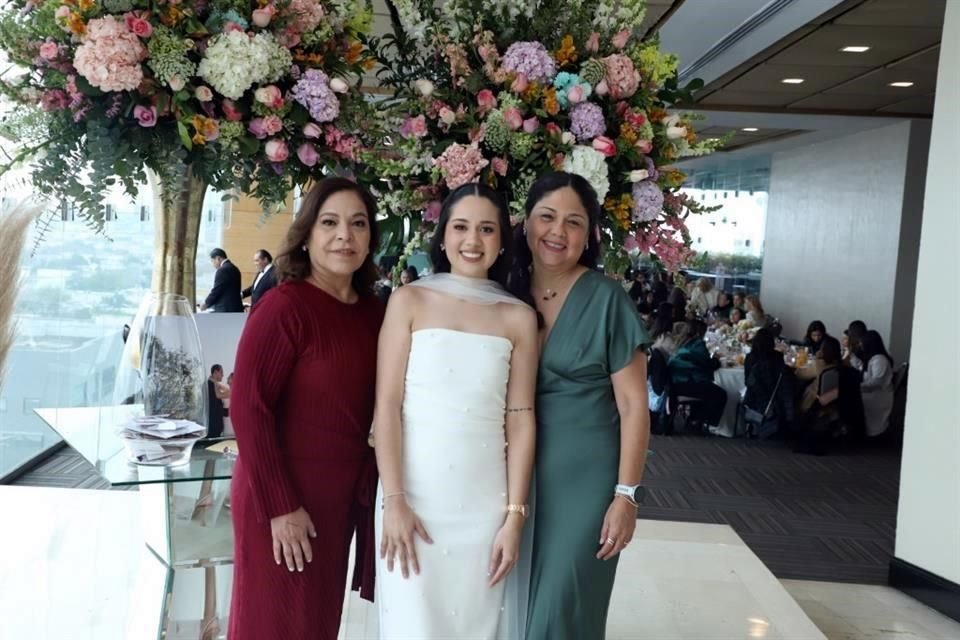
501, 267
519, 282
816, 325
293, 263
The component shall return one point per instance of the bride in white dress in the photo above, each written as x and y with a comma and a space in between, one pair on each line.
454, 430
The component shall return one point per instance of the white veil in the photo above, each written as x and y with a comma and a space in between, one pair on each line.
475, 290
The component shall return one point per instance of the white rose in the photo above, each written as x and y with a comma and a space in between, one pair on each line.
675, 133
203, 94
176, 83
447, 116
424, 87
637, 175
338, 85
568, 138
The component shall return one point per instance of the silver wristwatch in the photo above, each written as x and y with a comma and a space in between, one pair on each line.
634, 493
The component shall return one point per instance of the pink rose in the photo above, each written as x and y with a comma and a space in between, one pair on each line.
530, 125
620, 40
630, 243
258, 128
500, 166
593, 42
477, 134
311, 130
605, 145
414, 127
49, 50
575, 94
176, 82
447, 116
644, 146
602, 88
230, 111
432, 212
558, 161
306, 152
277, 151
62, 12
553, 131
486, 101
269, 95
513, 117
273, 125
520, 83
262, 17
203, 94
146, 116
229, 27
141, 28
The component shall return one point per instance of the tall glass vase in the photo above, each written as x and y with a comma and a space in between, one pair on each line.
177, 212
162, 368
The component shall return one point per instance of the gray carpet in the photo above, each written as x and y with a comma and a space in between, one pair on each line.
827, 518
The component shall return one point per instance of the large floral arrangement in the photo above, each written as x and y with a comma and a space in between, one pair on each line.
502, 91
256, 95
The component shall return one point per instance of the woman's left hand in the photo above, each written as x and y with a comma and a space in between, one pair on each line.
618, 527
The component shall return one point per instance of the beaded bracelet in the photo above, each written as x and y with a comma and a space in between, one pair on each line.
519, 410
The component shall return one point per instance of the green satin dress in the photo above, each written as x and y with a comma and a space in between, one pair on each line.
596, 333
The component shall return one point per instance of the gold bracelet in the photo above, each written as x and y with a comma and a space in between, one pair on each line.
522, 509
519, 410
394, 495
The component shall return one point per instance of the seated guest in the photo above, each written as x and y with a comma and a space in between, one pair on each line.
660, 290
852, 351
647, 305
723, 307
409, 275
739, 302
679, 301
816, 332
877, 385
736, 316
848, 405
703, 297
638, 284
691, 371
762, 368
755, 313
661, 332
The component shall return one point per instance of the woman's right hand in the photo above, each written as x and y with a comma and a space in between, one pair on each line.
400, 524
291, 539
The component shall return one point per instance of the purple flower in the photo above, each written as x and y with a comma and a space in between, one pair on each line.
313, 92
586, 121
530, 59
647, 201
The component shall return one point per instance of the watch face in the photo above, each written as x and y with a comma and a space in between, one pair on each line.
638, 494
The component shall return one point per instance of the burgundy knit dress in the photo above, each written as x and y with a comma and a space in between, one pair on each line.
302, 404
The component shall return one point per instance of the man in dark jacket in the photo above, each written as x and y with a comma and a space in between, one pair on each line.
265, 280
225, 295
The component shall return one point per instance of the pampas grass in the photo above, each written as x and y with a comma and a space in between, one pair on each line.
13, 234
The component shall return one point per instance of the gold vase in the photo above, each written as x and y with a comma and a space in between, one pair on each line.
176, 220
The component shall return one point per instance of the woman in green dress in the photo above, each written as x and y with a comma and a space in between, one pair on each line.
592, 419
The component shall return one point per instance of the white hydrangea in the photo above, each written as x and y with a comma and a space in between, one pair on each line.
591, 164
234, 62
412, 19
616, 15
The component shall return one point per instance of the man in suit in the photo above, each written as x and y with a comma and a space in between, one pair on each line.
225, 295
265, 280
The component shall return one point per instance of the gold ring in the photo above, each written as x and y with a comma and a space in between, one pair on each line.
611, 541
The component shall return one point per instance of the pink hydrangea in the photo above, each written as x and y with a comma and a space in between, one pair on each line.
304, 15
341, 143
110, 55
622, 78
460, 164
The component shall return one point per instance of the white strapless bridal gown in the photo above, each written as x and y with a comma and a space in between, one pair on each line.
455, 477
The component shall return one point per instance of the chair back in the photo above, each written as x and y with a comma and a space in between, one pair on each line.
828, 386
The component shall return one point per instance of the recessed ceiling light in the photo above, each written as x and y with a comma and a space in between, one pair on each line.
750, 129
855, 49
792, 81
901, 84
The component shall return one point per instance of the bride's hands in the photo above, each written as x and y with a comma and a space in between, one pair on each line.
506, 548
399, 525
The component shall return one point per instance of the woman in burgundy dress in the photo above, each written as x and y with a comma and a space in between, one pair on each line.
302, 404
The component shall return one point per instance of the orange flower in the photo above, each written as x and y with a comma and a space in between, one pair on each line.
620, 209
657, 115
76, 24
531, 93
198, 139
550, 103
628, 134
353, 52
691, 135
567, 53
369, 63
171, 15
672, 178
85, 5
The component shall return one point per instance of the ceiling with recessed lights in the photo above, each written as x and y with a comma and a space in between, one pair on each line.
863, 57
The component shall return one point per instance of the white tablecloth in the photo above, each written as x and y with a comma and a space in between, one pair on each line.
732, 381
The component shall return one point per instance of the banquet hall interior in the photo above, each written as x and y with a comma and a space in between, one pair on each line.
829, 200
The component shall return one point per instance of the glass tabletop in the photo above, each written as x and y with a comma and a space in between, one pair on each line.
92, 431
